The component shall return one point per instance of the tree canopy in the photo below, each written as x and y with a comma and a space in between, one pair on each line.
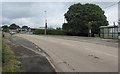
5, 28
14, 26
25, 27
82, 17
119, 21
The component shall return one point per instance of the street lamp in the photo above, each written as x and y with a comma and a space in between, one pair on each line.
89, 28
45, 22
118, 29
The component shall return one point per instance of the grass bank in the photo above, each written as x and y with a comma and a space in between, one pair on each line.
0, 53
9, 61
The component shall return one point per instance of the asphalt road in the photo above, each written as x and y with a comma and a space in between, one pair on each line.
31, 58
77, 56
100, 41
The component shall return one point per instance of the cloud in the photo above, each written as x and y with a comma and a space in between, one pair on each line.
60, 0
16, 10
5, 21
33, 15
31, 22
112, 14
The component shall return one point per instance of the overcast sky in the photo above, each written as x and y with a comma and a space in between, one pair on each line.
32, 13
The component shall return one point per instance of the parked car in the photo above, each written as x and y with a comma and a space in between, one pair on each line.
12, 32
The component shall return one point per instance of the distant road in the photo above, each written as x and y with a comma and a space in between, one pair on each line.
76, 56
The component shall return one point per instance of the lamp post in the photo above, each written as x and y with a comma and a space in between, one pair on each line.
118, 29
45, 22
89, 28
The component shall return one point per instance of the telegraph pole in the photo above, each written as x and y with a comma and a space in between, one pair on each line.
114, 28
45, 22
119, 30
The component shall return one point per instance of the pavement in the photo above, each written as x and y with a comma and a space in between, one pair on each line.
31, 58
68, 55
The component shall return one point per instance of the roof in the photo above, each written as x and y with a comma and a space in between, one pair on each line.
109, 26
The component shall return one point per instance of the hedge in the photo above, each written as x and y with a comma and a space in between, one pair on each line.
50, 31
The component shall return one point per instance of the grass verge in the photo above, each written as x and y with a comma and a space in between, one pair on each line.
0, 53
9, 61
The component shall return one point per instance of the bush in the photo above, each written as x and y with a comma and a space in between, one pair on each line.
6, 30
49, 32
39, 31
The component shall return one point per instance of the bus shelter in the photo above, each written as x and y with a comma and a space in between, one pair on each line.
110, 32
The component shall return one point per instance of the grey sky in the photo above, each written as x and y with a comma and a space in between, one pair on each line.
32, 13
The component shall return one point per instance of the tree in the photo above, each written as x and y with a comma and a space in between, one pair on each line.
14, 26
119, 21
25, 27
78, 17
58, 28
5, 28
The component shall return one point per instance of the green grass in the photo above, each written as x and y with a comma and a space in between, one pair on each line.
0, 53
9, 61
7, 35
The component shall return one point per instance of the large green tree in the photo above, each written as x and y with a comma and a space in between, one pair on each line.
82, 17
25, 27
5, 28
14, 26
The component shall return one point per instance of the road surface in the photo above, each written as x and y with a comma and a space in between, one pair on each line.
31, 61
76, 56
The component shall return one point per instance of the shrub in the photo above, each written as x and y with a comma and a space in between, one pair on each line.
49, 31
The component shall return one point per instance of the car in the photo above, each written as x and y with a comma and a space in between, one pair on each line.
12, 32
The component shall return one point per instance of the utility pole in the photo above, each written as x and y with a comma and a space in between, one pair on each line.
114, 29
90, 32
89, 29
119, 30
45, 23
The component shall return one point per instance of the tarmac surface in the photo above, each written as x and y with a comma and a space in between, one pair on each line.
101, 41
78, 54
31, 61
